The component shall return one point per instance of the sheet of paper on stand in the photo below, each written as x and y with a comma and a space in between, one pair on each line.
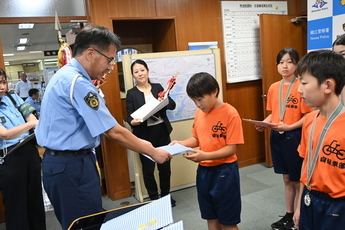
261, 123
174, 149
152, 216
150, 108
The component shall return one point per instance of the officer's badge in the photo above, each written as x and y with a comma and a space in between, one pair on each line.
91, 100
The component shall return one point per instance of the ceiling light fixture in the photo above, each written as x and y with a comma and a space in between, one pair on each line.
21, 48
23, 40
7, 55
33, 52
26, 26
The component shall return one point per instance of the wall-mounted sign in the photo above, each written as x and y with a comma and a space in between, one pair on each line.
325, 23
28, 64
51, 53
241, 34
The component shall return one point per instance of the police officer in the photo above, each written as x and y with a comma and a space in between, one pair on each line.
20, 165
73, 117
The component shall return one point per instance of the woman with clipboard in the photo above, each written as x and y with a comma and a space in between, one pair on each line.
156, 129
20, 164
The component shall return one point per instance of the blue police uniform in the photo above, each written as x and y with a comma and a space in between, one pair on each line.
20, 174
69, 129
31, 101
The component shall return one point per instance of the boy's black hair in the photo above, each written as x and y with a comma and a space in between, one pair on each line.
339, 41
291, 51
201, 84
33, 91
323, 65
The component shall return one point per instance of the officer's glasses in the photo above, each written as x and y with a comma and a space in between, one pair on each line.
111, 60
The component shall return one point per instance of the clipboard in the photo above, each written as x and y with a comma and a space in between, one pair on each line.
22, 142
261, 123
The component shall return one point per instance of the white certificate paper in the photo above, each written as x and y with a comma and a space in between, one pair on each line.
174, 149
149, 109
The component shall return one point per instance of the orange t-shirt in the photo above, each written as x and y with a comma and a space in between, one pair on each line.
329, 173
295, 106
216, 129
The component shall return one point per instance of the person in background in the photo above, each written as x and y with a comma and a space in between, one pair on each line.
72, 120
321, 200
217, 130
20, 170
287, 111
339, 45
156, 129
23, 86
34, 94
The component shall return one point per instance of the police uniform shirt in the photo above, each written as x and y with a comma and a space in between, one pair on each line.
10, 117
31, 101
67, 126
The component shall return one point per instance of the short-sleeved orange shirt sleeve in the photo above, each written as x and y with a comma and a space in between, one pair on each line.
216, 129
295, 106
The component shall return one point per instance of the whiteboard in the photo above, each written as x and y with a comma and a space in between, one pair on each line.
240, 22
182, 65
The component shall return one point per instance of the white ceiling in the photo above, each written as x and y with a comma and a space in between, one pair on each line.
43, 37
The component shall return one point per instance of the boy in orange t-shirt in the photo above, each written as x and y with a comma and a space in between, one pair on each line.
217, 130
321, 203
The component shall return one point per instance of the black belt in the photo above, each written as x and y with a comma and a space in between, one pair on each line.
8, 149
68, 152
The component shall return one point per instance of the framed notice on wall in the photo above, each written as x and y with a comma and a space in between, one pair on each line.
240, 22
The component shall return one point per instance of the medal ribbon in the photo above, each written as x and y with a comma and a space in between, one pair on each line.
342, 97
312, 160
282, 104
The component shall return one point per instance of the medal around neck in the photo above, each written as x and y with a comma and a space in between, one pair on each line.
307, 199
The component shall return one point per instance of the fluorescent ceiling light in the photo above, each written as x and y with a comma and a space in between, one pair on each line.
6, 55
26, 26
32, 52
23, 40
21, 48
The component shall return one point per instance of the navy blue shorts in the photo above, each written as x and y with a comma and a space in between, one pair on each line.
219, 193
324, 212
285, 157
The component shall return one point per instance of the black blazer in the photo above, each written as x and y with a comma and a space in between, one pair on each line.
135, 99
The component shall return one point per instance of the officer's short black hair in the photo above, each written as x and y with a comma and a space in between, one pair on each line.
97, 37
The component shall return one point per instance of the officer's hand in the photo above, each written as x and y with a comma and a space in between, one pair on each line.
161, 156
33, 123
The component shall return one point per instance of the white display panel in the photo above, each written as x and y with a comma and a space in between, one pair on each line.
240, 21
